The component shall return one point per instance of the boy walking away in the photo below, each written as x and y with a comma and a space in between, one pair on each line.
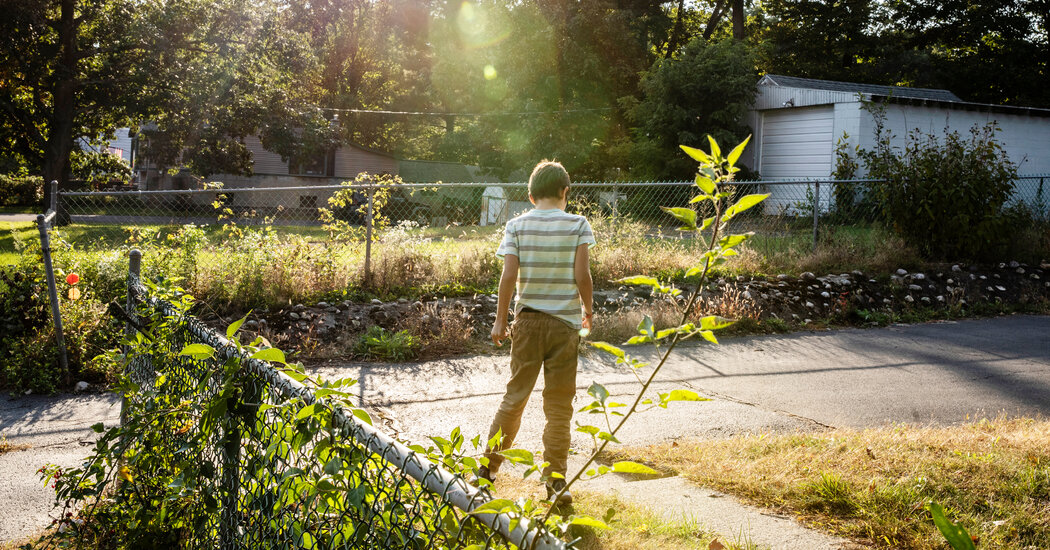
545, 252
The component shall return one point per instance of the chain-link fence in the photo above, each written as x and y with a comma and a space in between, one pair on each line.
799, 213
291, 468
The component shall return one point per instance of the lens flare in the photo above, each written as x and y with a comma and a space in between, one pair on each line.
490, 72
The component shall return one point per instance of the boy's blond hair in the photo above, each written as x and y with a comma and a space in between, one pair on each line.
548, 179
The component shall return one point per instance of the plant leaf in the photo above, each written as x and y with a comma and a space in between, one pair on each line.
709, 336
683, 395
588, 521
696, 154
518, 456
745, 202
706, 185
591, 430
363, 416
306, 411
236, 325
955, 534
714, 322
270, 354
646, 326
715, 150
609, 348
729, 241
599, 392
639, 280
684, 215
494, 506
627, 467
198, 352
734, 155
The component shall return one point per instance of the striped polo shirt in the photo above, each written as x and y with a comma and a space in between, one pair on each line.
545, 243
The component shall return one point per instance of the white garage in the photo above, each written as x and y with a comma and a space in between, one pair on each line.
798, 121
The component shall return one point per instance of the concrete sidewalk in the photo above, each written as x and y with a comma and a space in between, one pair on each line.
802, 381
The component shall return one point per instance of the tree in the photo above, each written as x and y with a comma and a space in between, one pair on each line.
706, 91
69, 69
203, 73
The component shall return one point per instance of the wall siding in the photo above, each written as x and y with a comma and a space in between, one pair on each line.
351, 161
265, 163
1026, 139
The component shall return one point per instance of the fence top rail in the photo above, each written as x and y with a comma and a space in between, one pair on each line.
586, 184
437, 480
367, 186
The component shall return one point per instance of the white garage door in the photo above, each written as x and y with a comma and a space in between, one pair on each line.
796, 144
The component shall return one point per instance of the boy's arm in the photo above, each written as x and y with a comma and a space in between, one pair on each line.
506, 290
582, 271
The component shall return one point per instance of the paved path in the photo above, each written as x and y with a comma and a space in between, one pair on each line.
941, 372
18, 218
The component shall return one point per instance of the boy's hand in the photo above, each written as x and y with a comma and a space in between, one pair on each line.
499, 332
588, 320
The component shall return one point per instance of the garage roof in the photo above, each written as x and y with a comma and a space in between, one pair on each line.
870, 89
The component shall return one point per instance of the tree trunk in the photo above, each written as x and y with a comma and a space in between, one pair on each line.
738, 19
60, 141
676, 32
715, 19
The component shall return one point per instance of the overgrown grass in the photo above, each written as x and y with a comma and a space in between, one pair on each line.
992, 476
260, 266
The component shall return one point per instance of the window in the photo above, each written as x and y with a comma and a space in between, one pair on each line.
322, 164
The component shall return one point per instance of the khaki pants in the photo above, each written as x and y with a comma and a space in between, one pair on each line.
538, 339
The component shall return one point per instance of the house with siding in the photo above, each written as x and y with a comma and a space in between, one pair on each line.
797, 123
293, 185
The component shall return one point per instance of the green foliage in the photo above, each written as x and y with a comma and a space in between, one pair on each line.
352, 205
380, 343
21, 191
955, 534
947, 197
28, 350
707, 90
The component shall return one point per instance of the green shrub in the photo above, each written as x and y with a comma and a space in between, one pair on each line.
945, 196
379, 343
28, 350
21, 190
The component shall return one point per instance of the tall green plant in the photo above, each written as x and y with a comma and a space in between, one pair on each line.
712, 231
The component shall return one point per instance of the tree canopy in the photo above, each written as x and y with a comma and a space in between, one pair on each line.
608, 87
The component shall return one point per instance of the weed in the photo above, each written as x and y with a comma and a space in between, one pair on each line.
380, 343
441, 331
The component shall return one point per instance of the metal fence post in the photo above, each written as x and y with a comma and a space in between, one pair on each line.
816, 212
134, 269
52, 291
54, 196
368, 237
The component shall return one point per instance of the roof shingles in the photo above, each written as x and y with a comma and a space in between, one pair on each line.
871, 89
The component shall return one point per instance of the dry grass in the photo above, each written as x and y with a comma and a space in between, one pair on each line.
443, 332
992, 476
7, 447
622, 324
631, 527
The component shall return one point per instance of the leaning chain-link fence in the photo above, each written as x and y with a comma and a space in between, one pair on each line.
287, 466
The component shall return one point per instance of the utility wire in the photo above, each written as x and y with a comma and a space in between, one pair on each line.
424, 113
